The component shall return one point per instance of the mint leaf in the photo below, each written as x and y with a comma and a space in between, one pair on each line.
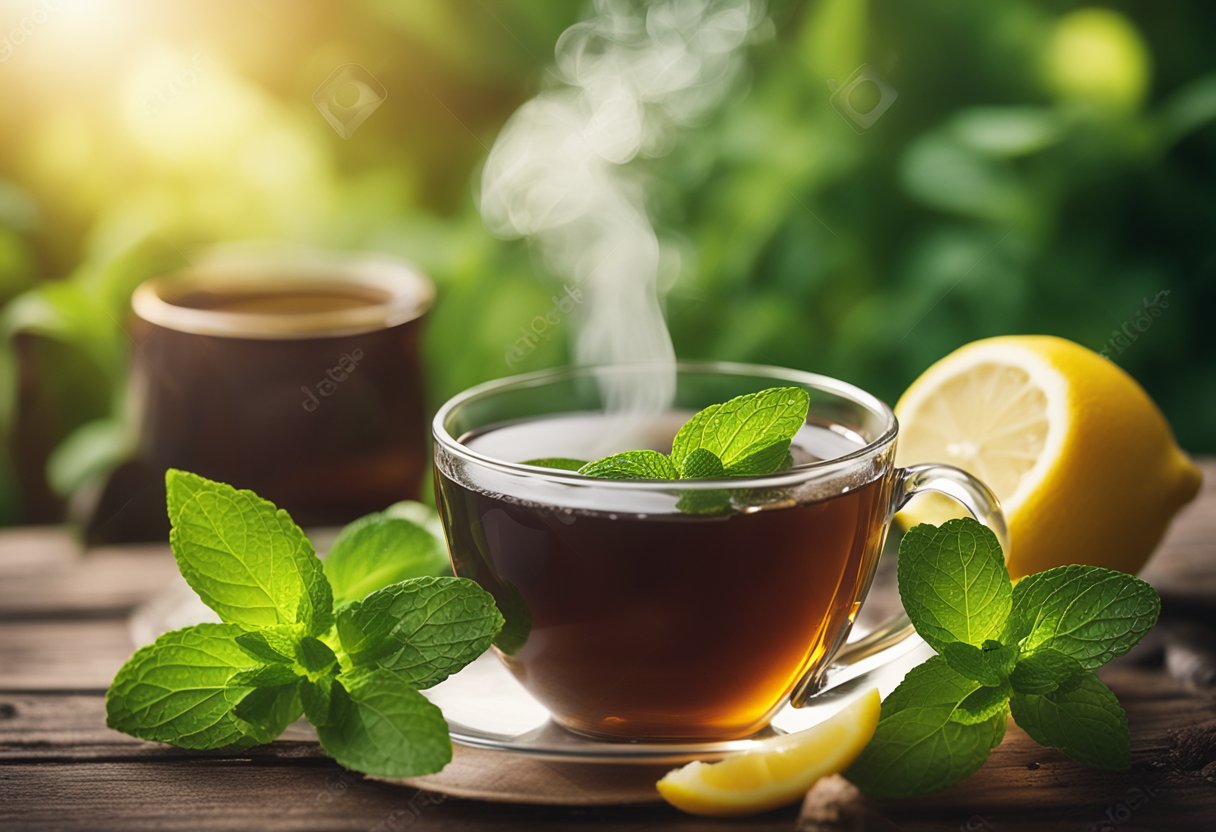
953, 583
266, 676
983, 704
317, 697
702, 464
246, 559
711, 501
240, 683
1087, 723
517, 618
423, 629
266, 712
918, 747
420, 514
272, 644
1029, 650
749, 435
378, 550
180, 689
384, 727
316, 658
1088, 612
764, 457
562, 463
988, 665
743, 426
632, 465
1046, 670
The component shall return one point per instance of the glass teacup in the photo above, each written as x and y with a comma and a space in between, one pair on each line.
632, 615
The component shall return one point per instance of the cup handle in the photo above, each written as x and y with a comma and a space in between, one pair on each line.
955, 483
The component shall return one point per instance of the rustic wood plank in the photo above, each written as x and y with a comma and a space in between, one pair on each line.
102, 582
220, 795
63, 654
33, 549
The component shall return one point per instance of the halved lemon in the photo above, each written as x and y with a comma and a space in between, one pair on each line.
779, 771
1084, 464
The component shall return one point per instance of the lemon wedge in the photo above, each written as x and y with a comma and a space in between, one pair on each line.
1084, 464
779, 771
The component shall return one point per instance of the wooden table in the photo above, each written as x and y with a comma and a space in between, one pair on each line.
64, 632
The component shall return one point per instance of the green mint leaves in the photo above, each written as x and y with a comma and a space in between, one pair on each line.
381, 724
562, 463
184, 689
748, 436
245, 558
348, 644
920, 746
421, 631
632, 465
1029, 649
379, 550
954, 584
1085, 722
1089, 614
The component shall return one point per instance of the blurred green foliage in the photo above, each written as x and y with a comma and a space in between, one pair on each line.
1045, 168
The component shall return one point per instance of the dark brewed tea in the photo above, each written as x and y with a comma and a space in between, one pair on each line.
663, 625
290, 300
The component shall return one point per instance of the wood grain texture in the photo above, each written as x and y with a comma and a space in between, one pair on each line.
62, 654
202, 794
64, 631
98, 583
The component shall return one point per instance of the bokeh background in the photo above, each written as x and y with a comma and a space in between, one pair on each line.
1045, 167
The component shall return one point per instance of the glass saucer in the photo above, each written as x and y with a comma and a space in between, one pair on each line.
487, 708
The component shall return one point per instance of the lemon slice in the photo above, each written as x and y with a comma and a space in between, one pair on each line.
1083, 462
776, 773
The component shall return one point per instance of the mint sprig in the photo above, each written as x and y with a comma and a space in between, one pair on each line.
748, 433
1030, 649
283, 651
747, 436
378, 550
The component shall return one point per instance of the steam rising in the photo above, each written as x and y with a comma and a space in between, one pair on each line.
629, 78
